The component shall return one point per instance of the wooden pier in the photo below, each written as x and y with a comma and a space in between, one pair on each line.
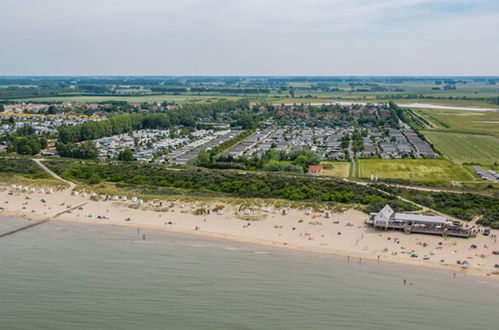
31, 225
24, 227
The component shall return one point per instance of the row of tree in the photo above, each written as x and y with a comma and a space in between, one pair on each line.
124, 123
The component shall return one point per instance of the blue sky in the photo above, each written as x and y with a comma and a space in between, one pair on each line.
250, 37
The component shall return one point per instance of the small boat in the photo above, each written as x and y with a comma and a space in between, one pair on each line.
496, 252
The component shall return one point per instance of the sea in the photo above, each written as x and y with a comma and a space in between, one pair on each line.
79, 276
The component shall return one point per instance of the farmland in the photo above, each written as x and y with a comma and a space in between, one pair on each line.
424, 170
466, 148
475, 122
128, 98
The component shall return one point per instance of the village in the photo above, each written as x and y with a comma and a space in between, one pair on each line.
176, 146
332, 143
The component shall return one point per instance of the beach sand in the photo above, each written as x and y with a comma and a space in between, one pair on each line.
345, 234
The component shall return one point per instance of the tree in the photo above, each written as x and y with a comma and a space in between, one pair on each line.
86, 150
43, 143
52, 110
25, 130
126, 155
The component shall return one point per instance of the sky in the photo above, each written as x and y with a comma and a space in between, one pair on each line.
249, 37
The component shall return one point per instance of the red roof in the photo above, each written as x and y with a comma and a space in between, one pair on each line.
315, 168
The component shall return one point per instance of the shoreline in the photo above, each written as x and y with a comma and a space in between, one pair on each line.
346, 236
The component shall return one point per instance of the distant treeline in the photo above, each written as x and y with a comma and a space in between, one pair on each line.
230, 90
492, 100
21, 92
229, 183
124, 123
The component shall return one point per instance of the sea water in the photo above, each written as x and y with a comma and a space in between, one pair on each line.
79, 276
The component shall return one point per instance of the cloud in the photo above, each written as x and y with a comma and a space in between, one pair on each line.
249, 37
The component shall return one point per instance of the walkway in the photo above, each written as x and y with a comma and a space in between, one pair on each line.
49, 171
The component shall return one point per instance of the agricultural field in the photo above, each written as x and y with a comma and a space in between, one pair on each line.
466, 148
425, 170
339, 169
128, 98
476, 122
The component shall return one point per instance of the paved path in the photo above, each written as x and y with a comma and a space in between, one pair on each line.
49, 171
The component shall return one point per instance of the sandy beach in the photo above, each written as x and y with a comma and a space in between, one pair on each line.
345, 234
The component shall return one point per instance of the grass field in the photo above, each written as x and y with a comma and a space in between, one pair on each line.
437, 170
476, 122
466, 148
339, 169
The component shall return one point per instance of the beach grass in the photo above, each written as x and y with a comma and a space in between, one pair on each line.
9, 179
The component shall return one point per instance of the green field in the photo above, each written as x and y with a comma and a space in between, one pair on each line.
476, 122
339, 169
440, 170
466, 148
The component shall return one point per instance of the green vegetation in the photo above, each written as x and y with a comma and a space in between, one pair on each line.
465, 206
463, 136
25, 142
86, 150
126, 155
274, 160
425, 170
23, 166
455, 121
466, 148
227, 183
268, 89
22, 170
124, 123
26, 145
